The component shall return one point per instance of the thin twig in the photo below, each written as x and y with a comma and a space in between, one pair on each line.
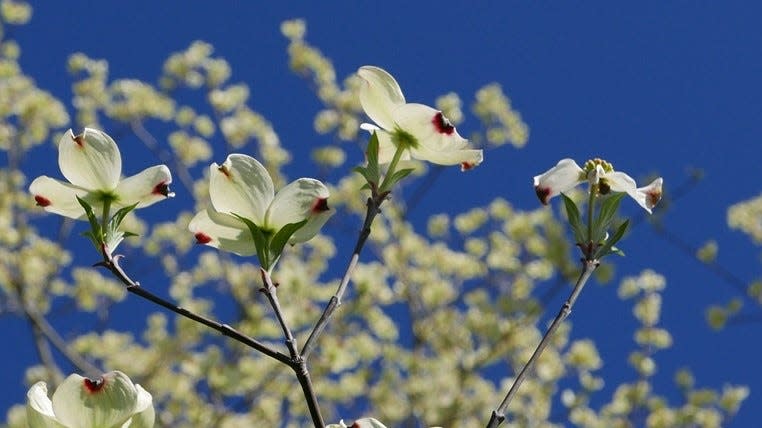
46, 356
721, 271
297, 362
40, 324
498, 415
373, 209
112, 264
270, 290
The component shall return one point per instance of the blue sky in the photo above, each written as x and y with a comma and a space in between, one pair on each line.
652, 87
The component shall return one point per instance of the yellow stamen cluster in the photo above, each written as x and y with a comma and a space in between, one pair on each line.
592, 163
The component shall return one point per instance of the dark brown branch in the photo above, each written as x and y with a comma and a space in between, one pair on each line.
112, 264
297, 362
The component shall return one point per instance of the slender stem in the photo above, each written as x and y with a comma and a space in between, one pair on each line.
373, 208
590, 210
378, 196
46, 355
43, 326
270, 291
391, 170
112, 264
297, 363
303, 375
498, 415
105, 216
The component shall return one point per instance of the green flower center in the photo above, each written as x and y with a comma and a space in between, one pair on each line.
403, 139
105, 196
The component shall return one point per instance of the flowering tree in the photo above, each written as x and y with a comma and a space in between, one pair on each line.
271, 288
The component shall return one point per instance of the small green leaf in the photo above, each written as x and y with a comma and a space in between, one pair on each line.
261, 239
95, 234
394, 179
371, 171
362, 171
118, 216
281, 238
606, 216
619, 233
399, 175
572, 212
113, 236
374, 173
372, 152
95, 225
608, 247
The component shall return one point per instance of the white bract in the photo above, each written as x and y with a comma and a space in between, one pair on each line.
93, 165
242, 187
112, 401
360, 423
567, 174
424, 132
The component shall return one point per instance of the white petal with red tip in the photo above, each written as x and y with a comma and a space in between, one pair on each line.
39, 408
91, 160
222, 231
241, 186
295, 203
453, 157
561, 178
79, 403
620, 182
648, 196
312, 227
437, 143
58, 197
380, 94
145, 187
419, 120
368, 423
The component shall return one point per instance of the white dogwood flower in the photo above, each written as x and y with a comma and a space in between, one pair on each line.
112, 401
93, 165
242, 188
567, 174
424, 132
